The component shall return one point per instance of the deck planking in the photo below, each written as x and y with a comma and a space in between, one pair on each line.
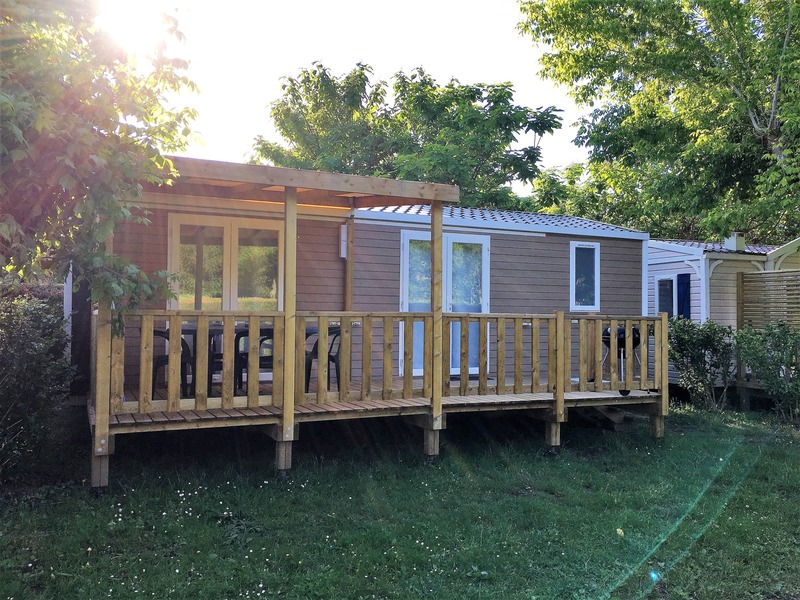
131, 421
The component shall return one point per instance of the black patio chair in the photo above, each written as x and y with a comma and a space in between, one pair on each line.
334, 346
187, 365
241, 359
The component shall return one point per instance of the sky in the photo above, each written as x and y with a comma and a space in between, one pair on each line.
240, 49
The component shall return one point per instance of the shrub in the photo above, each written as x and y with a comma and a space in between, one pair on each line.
772, 355
703, 356
34, 372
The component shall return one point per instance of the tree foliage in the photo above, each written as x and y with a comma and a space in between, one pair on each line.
696, 122
703, 356
773, 356
80, 129
457, 134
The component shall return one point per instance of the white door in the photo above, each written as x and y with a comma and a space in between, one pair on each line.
466, 287
466, 280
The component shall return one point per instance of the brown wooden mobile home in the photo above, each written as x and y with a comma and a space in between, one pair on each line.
287, 279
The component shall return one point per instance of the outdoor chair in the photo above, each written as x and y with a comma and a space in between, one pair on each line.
333, 358
265, 358
187, 364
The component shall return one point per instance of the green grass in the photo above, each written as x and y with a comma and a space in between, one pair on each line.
710, 512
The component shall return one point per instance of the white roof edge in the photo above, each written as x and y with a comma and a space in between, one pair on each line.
737, 256
688, 250
787, 248
366, 215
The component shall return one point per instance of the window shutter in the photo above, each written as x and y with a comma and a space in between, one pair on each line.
684, 308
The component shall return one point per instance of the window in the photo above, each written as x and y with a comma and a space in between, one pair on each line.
225, 263
673, 295
584, 275
666, 296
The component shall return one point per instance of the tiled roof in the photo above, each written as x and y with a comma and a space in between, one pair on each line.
720, 247
483, 217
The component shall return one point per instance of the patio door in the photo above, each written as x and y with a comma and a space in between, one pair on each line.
465, 281
225, 263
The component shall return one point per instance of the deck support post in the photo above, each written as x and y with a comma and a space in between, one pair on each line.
283, 457
437, 299
657, 426
431, 444
553, 433
283, 460
662, 408
102, 396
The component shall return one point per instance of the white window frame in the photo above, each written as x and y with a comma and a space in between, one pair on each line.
583, 308
657, 295
230, 254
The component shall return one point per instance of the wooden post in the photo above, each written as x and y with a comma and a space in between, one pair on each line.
146, 364
437, 297
662, 408
283, 455
501, 355
742, 395
553, 433
562, 360
102, 396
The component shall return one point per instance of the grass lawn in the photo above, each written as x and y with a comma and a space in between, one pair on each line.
710, 512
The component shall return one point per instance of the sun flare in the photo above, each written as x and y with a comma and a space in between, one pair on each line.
138, 28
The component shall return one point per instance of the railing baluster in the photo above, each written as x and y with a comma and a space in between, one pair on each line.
613, 354
583, 356
300, 360
501, 355
551, 355
518, 355
323, 359
366, 357
427, 362
536, 357
598, 355
644, 349
408, 357
345, 357
200, 373
253, 360
629, 385
388, 375
228, 351
463, 382
447, 326
483, 356
146, 364
117, 372
174, 367
278, 359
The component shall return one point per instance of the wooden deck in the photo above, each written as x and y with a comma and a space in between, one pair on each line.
545, 365
307, 412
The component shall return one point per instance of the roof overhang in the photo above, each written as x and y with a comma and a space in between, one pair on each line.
236, 181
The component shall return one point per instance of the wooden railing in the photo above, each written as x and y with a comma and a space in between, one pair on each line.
376, 355
149, 334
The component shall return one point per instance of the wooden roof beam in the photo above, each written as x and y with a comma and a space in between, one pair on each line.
414, 192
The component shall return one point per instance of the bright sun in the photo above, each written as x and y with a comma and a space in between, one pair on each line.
138, 28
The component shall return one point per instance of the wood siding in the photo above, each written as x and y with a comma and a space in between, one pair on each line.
722, 290
531, 274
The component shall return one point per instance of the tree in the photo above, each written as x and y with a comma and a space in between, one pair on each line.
80, 130
456, 134
699, 111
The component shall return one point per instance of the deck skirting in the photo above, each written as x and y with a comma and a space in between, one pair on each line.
309, 412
